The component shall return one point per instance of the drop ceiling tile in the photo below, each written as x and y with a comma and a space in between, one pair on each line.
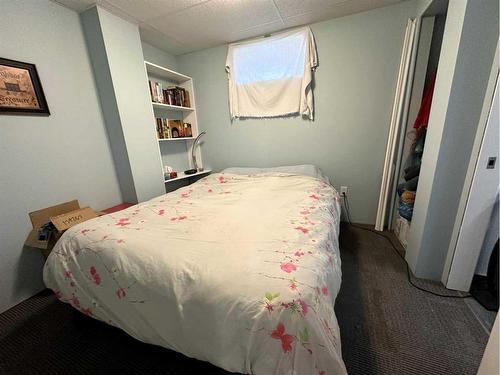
106, 4
288, 8
311, 17
215, 20
77, 5
147, 9
181, 26
82, 5
158, 39
257, 31
195, 46
335, 11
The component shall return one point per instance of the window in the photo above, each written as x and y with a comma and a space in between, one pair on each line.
272, 77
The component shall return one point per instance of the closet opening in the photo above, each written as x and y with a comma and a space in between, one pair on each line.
411, 146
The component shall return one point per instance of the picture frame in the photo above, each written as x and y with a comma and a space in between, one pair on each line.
20, 89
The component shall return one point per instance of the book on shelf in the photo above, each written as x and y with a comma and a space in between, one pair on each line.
172, 95
166, 128
156, 92
162, 128
188, 131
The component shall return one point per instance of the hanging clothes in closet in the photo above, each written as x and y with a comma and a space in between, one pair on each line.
408, 188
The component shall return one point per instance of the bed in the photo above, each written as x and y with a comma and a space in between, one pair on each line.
238, 269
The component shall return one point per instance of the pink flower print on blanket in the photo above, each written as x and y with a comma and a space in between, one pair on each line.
87, 311
178, 218
286, 339
75, 301
95, 276
304, 307
269, 306
123, 221
120, 292
302, 229
288, 267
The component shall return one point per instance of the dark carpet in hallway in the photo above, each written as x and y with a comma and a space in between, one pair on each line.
387, 327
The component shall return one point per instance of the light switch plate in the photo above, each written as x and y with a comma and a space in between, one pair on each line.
491, 162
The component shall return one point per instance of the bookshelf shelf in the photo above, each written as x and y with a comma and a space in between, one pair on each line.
172, 107
166, 74
175, 139
182, 175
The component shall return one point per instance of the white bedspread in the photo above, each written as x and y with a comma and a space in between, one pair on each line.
241, 271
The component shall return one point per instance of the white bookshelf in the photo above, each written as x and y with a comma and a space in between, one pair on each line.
182, 175
172, 107
176, 139
165, 73
175, 152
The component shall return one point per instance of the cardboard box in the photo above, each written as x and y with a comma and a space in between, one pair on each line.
63, 216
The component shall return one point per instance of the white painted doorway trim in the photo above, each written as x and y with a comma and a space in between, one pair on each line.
395, 125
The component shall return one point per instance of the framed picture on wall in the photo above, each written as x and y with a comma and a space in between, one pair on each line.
20, 89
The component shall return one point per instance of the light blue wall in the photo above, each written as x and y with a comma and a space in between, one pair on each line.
104, 85
158, 57
359, 59
116, 52
48, 160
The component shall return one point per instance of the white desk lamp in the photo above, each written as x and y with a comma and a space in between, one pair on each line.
193, 156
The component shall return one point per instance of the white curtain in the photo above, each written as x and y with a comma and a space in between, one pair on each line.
272, 76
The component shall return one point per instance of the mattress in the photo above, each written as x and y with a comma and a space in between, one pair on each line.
238, 270
302, 169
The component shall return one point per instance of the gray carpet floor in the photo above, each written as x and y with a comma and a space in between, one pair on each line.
387, 327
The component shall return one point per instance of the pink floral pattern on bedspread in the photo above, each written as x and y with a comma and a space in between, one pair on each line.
241, 271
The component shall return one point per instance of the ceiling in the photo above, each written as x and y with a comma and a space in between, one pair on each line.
182, 26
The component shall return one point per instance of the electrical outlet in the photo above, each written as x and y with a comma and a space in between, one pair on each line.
344, 190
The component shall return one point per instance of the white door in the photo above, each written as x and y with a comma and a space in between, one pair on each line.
399, 110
